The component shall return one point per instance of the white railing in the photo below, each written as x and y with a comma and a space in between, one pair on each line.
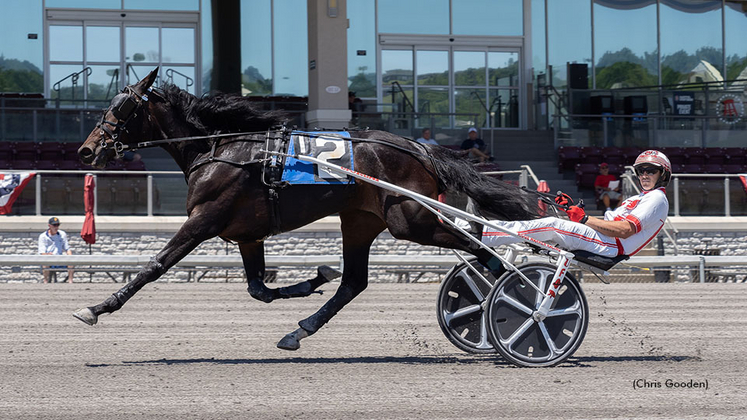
442, 261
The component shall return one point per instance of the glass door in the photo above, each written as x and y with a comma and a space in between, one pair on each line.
454, 87
93, 59
148, 46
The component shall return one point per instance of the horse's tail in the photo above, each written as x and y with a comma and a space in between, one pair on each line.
496, 198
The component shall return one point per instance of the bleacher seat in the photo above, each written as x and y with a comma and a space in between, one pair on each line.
51, 151
46, 165
675, 154
678, 168
138, 165
735, 155
568, 158
690, 168
630, 153
695, 156
713, 168
715, 156
25, 151
613, 156
734, 169
586, 174
23, 164
591, 154
69, 165
71, 150
6, 151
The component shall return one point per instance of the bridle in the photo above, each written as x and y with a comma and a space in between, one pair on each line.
125, 112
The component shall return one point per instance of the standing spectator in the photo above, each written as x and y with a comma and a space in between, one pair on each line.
425, 137
476, 147
53, 241
607, 187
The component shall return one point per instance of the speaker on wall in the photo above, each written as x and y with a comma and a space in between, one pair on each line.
578, 76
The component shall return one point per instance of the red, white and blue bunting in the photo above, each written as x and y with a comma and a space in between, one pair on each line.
11, 186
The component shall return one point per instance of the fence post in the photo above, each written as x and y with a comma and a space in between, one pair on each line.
524, 178
676, 196
727, 198
701, 269
38, 197
95, 195
150, 194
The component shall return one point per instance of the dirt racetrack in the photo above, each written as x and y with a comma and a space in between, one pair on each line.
207, 351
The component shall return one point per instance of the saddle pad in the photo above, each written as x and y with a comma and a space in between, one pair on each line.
329, 146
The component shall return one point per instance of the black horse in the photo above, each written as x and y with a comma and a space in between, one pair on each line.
230, 198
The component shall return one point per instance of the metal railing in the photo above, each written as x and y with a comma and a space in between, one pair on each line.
121, 188
665, 262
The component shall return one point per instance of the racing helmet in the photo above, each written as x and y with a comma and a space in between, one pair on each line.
655, 158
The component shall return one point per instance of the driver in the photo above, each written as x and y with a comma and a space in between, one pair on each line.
623, 231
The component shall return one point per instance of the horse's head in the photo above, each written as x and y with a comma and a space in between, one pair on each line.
123, 123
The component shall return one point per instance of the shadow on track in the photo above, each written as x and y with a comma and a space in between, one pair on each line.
416, 360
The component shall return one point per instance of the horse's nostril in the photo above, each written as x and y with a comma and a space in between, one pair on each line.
85, 153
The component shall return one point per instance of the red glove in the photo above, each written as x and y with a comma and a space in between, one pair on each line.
577, 214
563, 199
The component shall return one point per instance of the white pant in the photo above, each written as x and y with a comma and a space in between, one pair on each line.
565, 234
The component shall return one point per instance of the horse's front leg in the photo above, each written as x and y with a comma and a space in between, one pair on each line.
193, 232
358, 233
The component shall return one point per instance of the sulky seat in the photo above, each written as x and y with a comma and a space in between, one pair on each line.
598, 261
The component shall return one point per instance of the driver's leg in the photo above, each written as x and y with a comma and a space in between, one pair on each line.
565, 234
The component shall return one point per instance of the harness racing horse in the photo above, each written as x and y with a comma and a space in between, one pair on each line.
228, 195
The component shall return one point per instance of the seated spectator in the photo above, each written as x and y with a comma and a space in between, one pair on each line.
476, 147
425, 138
53, 241
607, 187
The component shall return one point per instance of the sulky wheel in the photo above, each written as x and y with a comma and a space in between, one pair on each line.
460, 307
517, 336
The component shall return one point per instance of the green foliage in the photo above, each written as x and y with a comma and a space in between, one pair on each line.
363, 84
626, 73
20, 76
24, 81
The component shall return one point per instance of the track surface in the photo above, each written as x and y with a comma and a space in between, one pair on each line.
207, 351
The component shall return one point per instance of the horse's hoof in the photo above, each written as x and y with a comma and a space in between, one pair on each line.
86, 315
289, 342
328, 272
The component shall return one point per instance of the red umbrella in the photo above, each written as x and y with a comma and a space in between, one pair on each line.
544, 188
88, 233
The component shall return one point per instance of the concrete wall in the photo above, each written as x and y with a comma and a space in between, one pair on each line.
146, 236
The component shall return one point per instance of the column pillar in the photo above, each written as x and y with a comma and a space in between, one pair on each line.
226, 75
328, 64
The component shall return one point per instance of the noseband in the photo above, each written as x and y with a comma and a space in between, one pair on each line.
124, 112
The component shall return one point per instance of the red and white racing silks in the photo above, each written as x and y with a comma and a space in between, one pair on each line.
646, 211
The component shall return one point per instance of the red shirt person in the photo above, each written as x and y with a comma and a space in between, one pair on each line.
606, 192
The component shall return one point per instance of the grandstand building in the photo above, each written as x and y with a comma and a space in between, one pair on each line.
559, 85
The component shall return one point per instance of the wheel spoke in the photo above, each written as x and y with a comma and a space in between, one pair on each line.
472, 285
554, 351
484, 340
507, 343
541, 286
571, 310
467, 310
515, 303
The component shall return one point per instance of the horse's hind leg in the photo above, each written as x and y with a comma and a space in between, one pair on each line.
253, 256
359, 229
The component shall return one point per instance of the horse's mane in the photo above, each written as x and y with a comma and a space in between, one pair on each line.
220, 112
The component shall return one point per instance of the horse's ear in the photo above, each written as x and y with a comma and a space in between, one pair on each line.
143, 85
